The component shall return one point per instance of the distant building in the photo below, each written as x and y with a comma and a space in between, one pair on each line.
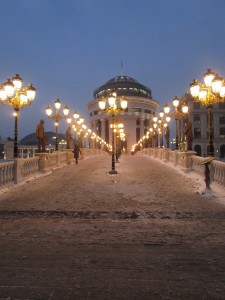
137, 118
3, 142
198, 116
31, 139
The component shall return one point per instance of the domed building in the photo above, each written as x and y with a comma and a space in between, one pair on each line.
136, 118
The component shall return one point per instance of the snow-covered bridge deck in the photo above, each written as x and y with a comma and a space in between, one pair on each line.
80, 233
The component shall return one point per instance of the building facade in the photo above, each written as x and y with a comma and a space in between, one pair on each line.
199, 117
137, 118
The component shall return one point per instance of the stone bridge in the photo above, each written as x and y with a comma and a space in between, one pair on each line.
79, 233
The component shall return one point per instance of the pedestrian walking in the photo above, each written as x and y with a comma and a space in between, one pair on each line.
76, 152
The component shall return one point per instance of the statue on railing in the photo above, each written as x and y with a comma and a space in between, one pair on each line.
40, 133
167, 136
68, 137
188, 133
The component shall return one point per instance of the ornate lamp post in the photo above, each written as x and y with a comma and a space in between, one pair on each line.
162, 123
210, 92
113, 109
78, 126
120, 139
118, 128
155, 131
12, 94
57, 116
150, 135
177, 115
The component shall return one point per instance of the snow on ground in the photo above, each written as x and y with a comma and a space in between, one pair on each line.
216, 192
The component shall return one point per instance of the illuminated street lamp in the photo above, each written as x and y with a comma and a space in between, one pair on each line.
112, 109
78, 126
210, 92
12, 94
155, 131
150, 136
57, 116
177, 115
118, 129
162, 123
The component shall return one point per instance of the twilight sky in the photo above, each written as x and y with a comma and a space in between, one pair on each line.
67, 48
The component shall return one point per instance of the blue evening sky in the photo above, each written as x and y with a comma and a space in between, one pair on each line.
67, 48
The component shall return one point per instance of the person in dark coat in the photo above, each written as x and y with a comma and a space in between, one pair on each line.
76, 152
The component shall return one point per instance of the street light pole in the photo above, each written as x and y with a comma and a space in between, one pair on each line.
112, 109
119, 132
56, 136
57, 116
162, 123
78, 126
209, 93
15, 148
113, 171
177, 115
210, 132
176, 104
12, 94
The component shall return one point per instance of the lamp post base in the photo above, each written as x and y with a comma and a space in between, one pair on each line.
210, 149
113, 172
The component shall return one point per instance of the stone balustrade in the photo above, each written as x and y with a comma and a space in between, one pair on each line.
197, 164
24, 168
187, 161
20, 169
6, 173
218, 172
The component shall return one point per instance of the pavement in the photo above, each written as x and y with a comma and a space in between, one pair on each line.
80, 233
